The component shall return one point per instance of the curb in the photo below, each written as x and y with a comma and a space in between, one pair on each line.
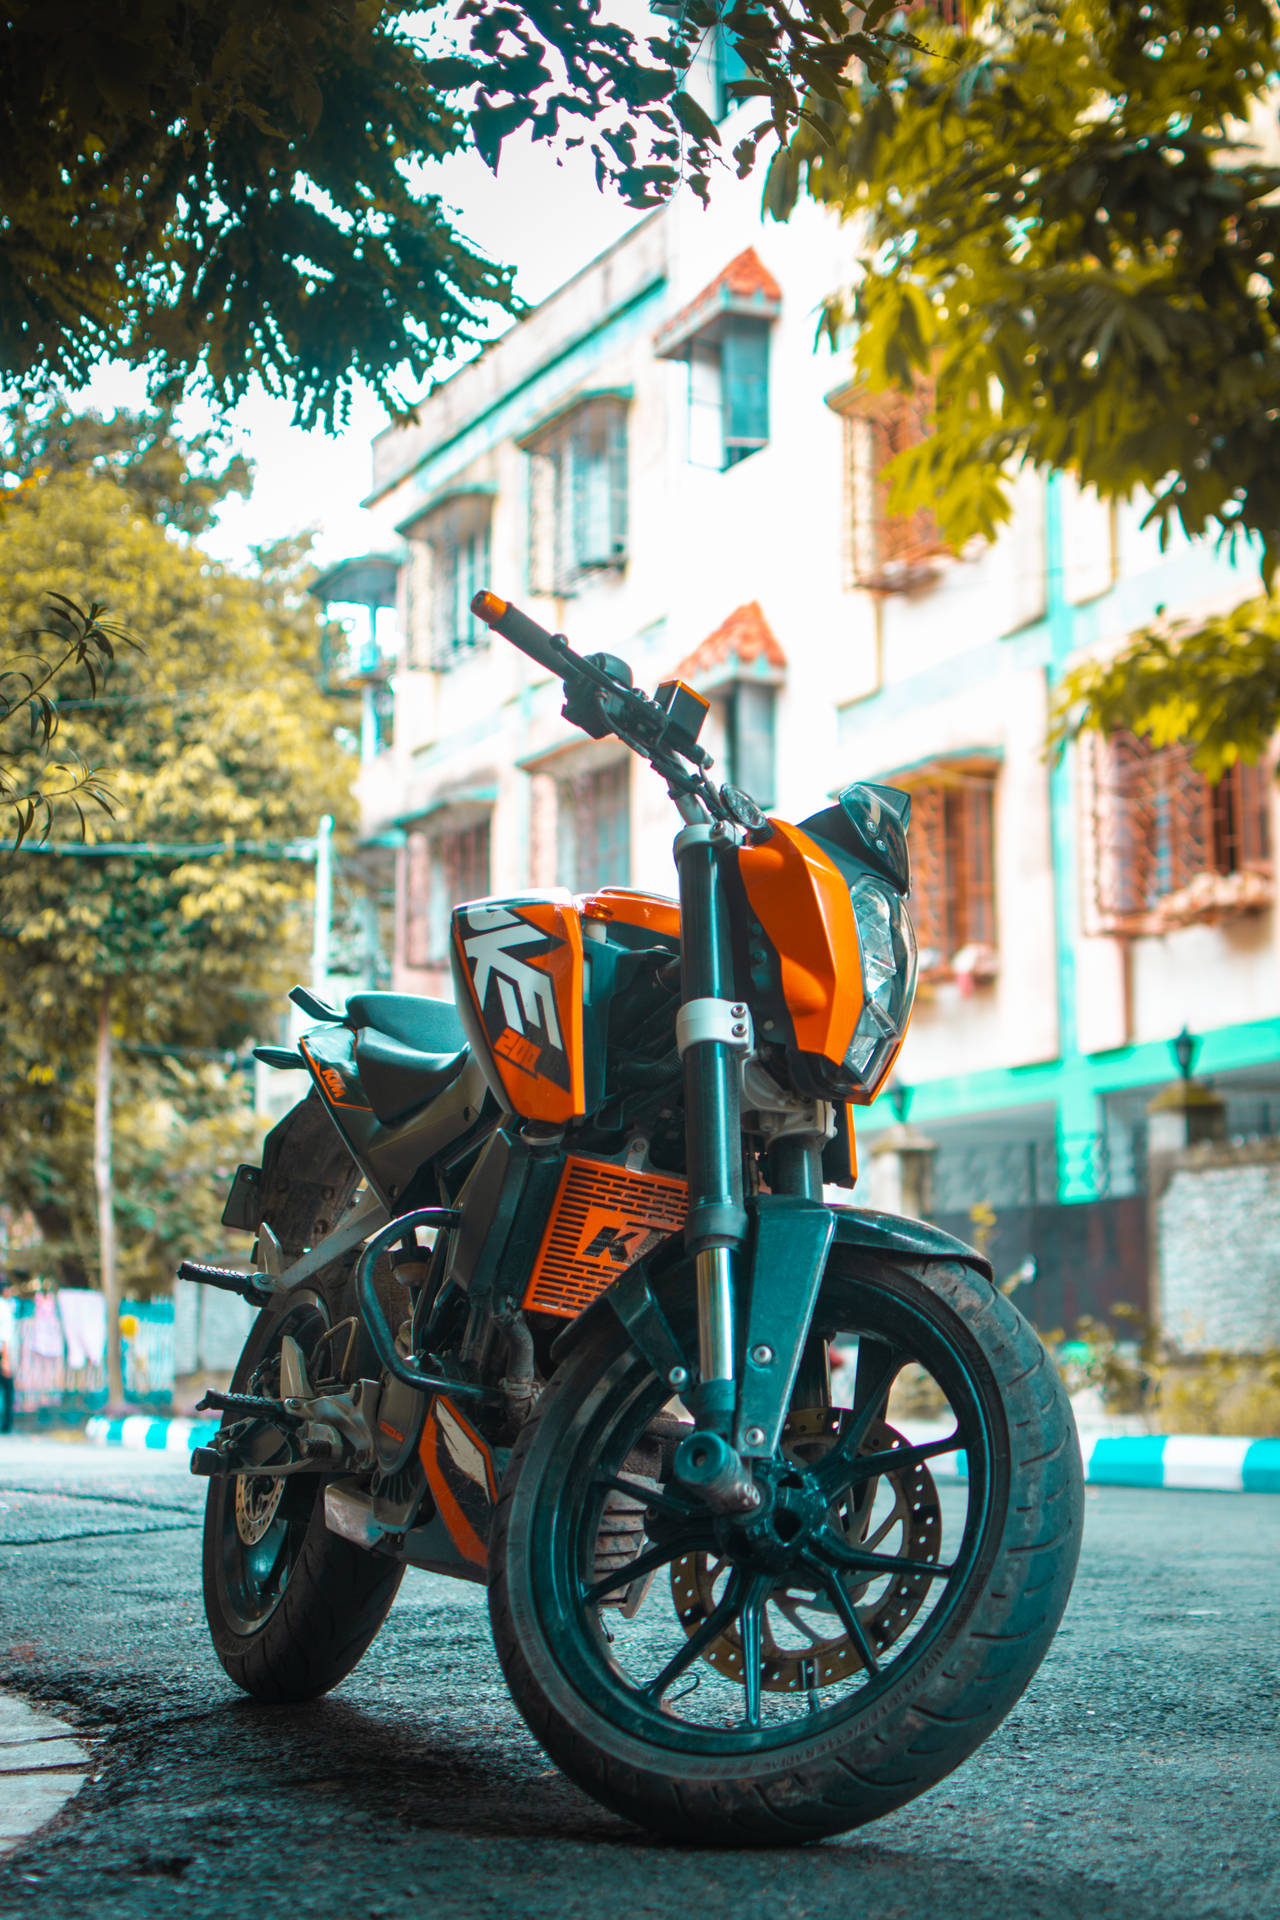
1184, 1462
43, 1762
139, 1433
1194, 1462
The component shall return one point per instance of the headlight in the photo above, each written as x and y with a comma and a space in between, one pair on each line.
888, 946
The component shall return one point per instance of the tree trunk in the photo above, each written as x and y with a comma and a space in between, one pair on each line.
102, 1179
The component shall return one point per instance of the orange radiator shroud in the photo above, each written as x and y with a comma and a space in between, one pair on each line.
604, 1218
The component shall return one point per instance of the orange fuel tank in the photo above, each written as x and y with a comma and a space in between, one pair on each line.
518, 978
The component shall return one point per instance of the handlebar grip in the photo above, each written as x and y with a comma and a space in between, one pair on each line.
520, 630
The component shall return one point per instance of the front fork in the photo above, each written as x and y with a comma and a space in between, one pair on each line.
714, 1032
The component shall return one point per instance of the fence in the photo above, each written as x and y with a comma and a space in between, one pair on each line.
60, 1341
1067, 1261
1033, 1172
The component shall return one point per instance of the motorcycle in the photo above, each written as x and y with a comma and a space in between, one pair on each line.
549, 1281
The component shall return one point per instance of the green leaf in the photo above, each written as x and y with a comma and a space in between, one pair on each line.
694, 119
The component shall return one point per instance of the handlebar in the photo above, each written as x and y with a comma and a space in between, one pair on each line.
600, 702
522, 632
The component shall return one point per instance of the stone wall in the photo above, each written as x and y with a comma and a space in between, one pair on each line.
1218, 1218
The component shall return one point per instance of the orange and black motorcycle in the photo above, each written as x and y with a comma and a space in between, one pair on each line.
549, 1282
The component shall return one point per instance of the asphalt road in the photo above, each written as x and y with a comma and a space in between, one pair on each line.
1139, 1776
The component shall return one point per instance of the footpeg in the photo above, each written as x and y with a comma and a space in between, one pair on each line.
252, 1287
250, 1406
710, 1466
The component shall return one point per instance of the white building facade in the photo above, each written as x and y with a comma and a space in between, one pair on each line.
660, 462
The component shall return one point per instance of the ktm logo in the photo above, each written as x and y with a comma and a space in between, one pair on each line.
620, 1244
334, 1084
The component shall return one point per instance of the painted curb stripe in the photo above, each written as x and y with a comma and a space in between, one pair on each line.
138, 1433
1261, 1470
1196, 1462
1209, 1463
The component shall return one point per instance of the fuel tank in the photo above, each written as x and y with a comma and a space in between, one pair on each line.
531, 983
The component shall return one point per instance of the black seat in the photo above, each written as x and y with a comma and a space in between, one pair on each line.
397, 1079
428, 1026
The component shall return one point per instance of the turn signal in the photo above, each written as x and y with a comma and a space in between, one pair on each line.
487, 607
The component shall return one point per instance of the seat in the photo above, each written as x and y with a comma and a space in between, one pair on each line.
428, 1026
396, 1078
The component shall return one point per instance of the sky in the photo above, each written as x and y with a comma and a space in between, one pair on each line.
543, 218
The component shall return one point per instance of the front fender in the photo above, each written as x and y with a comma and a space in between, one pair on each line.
780, 1273
894, 1236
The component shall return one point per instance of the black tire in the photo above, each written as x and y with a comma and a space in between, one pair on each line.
297, 1626
941, 1674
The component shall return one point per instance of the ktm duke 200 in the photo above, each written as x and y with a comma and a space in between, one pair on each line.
549, 1287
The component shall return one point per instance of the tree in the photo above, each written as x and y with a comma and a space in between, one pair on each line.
181, 481
216, 190
216, 736
1068, 230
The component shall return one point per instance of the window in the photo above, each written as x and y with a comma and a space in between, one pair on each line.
729, 392
953, 894
885, 552
449, 565
723, 338
578, 497
749, 739
446, 865
1169, 848
593, 814
727, 65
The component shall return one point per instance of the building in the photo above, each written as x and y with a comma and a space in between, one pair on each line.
659, 462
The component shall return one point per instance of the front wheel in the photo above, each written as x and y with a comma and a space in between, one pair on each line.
771, 1679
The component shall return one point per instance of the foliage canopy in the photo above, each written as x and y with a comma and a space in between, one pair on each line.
214, 189
216, 734
1072, 229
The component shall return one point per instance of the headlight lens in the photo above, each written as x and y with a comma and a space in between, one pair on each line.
888, 946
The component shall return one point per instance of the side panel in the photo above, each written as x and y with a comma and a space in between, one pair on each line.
460, 1474
604, 1218
801, 899
518, 971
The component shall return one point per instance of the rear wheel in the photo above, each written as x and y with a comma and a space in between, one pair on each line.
771, 1680
291, 1607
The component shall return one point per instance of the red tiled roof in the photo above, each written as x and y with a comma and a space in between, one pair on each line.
743, 638
746, 281
747, 276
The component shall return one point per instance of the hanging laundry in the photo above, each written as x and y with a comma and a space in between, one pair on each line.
83, 1313
44, 1335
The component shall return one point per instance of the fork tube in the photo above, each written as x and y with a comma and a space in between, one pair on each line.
717, 1220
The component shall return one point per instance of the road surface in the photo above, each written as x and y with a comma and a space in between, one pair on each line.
1139, 1776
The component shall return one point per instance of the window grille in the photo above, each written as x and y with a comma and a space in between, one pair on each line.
445, 867
594, 818
1168, 847
578, 498
953, 893
886, 552
458, 536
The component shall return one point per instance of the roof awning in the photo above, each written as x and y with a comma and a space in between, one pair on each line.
745, 287
743, 647
368, 580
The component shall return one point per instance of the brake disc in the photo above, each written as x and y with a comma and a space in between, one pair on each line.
805, 1646
258, 1495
